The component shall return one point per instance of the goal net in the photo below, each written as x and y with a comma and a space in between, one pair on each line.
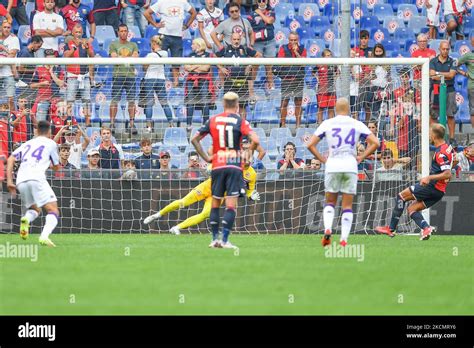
284, 99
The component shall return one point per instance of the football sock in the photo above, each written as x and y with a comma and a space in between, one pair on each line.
419, 220
31, 215
397, 212
214, 219
328, 216
346, 223
51, 222
227, 223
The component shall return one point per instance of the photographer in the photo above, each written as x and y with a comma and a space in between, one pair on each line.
22, 121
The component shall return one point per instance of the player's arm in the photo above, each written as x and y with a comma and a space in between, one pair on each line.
196, 141
445, 175
372, 145
403, 160
311, 145
10, 184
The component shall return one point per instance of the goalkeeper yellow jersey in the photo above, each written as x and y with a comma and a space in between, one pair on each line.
203, 190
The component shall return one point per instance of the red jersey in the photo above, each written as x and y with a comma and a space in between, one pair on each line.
442, 160
226, 130
39, 5
42, 74
426, 53
4, 138
3, 10
22, 132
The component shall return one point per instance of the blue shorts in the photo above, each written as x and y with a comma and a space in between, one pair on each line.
228, 180
174, 44
426, 194
121, 84
457, 19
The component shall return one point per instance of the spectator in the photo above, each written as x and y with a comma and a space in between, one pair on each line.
356, 71
326, 91
198, 88
208, 19
4, 14
468, 60
366, 95
364, 50
466, 157
172, 13
236, 78
314, 164
5, 131
72, 137
392, 168
92, 170
262, 19
373, 126
147, 161
25, 72
234, 24
130, 173
454, 10
443, 65
194, 166
290, 161
79, 77
292, 78
105, 12
165, 166
62, 117
49, 26
16, 9
433, 8
123, 77
9, 47
64, 152
154, 83
22, 122
47, 80
77, 13
110, 154
379, 81
133, 14
422, 52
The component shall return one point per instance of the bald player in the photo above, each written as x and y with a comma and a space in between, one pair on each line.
342, 133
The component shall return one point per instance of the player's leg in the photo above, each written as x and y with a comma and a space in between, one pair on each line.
218, 190
195, 219
426, 197
51, 221
400, 200
228, 220
347, 217
414, 211
298, 111
32, 211
191, 198
116, 96
328, 216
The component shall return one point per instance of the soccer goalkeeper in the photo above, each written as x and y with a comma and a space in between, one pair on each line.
199, 193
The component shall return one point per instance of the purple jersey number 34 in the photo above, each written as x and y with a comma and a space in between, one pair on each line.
349, 139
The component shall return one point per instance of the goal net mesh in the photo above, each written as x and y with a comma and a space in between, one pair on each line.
273, 98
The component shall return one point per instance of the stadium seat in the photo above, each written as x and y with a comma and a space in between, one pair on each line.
305, 33
407, 11
319, 22
24, 34
264, 112
30, 7
172, 149
358, 11
468, 22
175, 137
396, 3
303, 134
379, 35
308, 10
134, 32
335, 47
393, 23
283, 10
315, 47
158, 114
294, 22
142, 43
106, 44
434, 45
270, 146
369, 22
462, 115
104, 32
281, 36
328, 36
281, 136
403, 34
382, 11
391, 45
462, 47
151, 31
411, 45
331, 9
187, 50
417, 23
371, 4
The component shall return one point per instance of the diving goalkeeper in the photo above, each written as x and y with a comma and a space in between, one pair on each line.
199, 193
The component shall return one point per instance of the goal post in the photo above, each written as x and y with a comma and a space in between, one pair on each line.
307, 186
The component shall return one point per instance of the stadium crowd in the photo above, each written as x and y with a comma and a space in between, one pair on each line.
78, 98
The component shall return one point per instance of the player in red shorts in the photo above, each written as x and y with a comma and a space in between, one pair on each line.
326, 93
227, 130
429, 191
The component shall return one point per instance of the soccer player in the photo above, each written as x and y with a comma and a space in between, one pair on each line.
343, 133
35, 158
429, 191
199, 193
227, 130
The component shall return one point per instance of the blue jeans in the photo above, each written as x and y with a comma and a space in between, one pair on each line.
149, 88
133, 15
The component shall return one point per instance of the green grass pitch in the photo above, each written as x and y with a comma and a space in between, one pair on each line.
271, 274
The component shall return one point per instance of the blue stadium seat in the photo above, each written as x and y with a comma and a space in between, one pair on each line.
281, 36
260, 132
172, 149
407, 11
280, 133
305, 33
468, 22
151, 31
331, 9
104, 32
358, 11
319, 22
187, 50
315, 47
417, 23
264, 112
462, 115
335, 47
460, 82
369, 22
101, 53
142, 43
391, 45
175, 137
462, 47
434, 45
106, 44
403, 34
328, 36
30, 6
308, 10
410, 45
383, 10
393, 23
371, 4
158, 114
397, 3
379, 35
294, 22
134, 32
271, 147
283, 10
24, 34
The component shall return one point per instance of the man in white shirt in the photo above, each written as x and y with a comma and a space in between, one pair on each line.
35, 157
72, 137
49, 26
172, 14
342, 133
9, 47
208, 19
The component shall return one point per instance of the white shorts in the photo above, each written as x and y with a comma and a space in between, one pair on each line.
432, 14
37, 193
341, 182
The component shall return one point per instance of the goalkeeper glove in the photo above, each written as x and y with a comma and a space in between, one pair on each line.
255, 196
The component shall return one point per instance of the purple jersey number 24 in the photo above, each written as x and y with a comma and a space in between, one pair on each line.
37, 153
349, 140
